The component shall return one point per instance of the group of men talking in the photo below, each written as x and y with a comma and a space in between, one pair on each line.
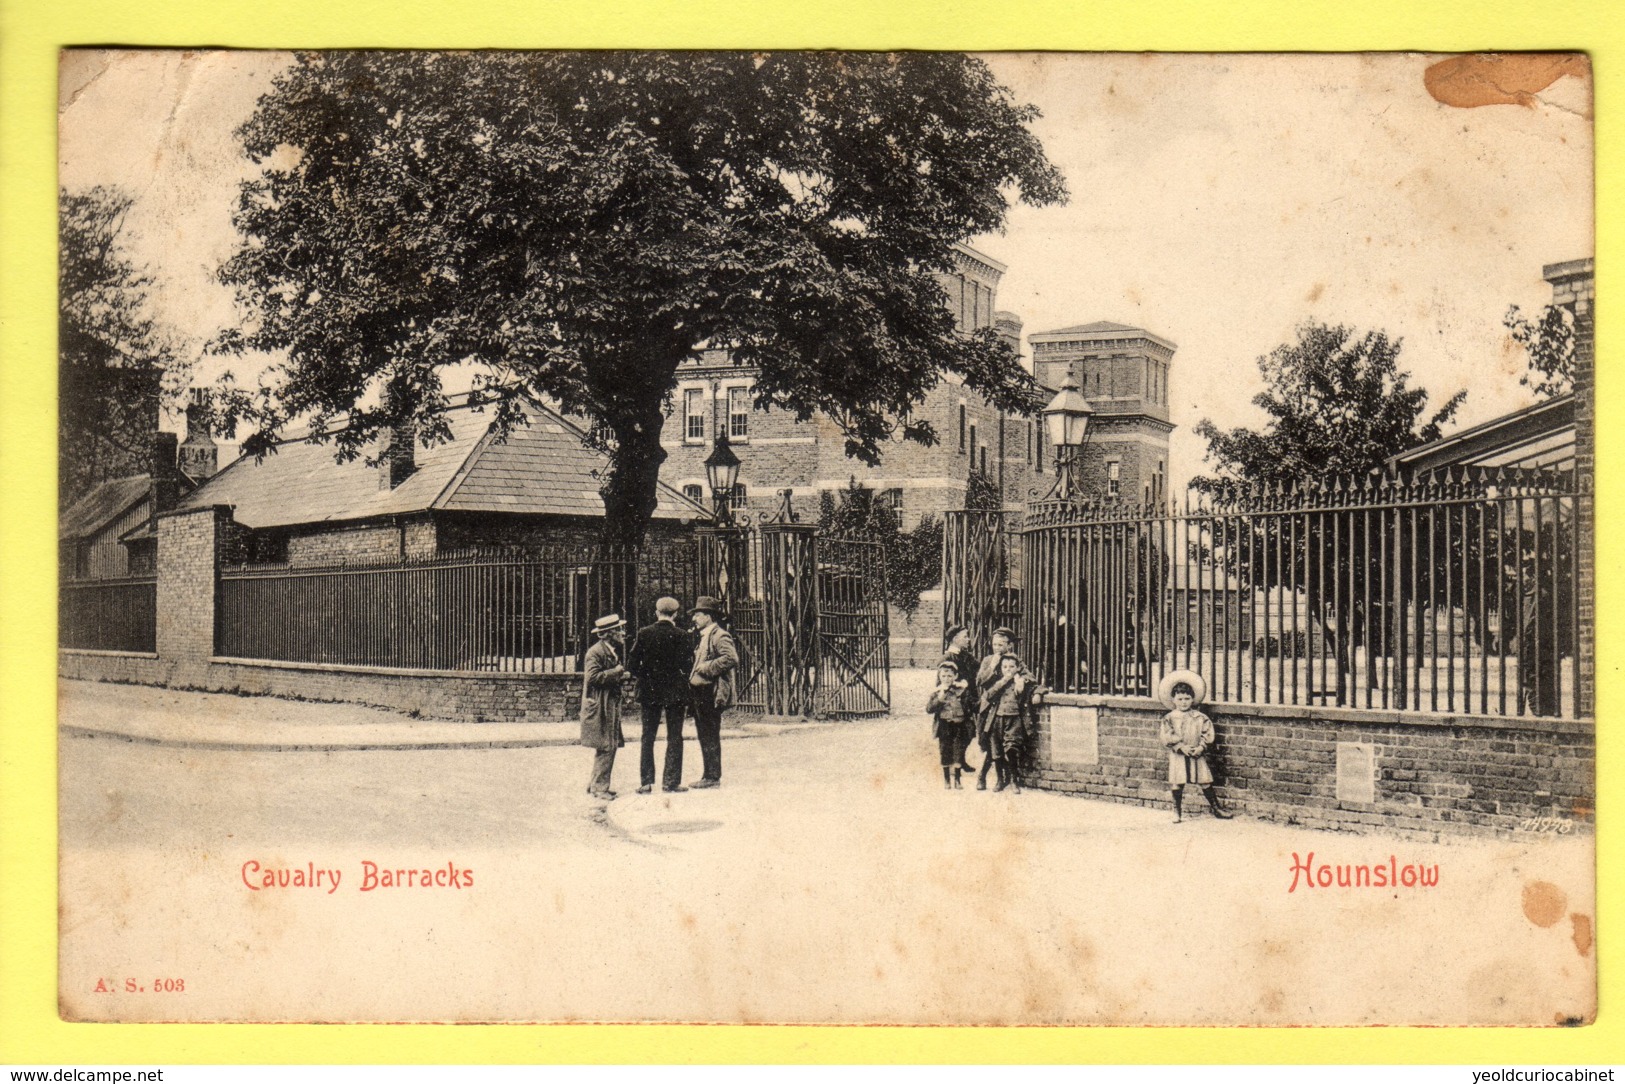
675, 670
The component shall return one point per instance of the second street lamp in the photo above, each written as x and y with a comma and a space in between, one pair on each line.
1066, 422
722, 473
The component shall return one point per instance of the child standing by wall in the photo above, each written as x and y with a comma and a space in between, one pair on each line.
947, 706
1187, 734
1004, 721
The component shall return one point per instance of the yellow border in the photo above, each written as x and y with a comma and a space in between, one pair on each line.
31, 31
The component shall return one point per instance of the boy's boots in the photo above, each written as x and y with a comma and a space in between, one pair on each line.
956, 779
1213, 804
1004, 780
981, 775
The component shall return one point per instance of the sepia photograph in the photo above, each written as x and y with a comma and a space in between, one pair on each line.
912, 538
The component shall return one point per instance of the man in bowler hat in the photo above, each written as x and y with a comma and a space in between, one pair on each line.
711, 685
660, 660
601, 678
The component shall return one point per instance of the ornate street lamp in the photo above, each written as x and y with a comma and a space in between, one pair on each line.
1066, 421
721, 472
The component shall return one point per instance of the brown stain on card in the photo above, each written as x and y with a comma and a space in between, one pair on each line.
1476, 79
1543, 903
1582, 933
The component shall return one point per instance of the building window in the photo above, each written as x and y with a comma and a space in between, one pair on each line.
739, 413
736, 500
694, 493
694, 415
961, 428
1114, 478
973, 445
893, 499
984, 459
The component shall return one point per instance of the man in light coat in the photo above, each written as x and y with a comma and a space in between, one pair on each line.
601, 678
711, 685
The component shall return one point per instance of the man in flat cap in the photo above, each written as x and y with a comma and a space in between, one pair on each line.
711, 685
660, 660
601, 678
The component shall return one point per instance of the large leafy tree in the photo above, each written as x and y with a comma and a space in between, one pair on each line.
114, 359
1338, 406
577, 224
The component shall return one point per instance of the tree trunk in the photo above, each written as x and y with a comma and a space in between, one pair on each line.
631, 492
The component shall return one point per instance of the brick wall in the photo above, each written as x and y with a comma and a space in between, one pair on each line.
530, 698
1427, 775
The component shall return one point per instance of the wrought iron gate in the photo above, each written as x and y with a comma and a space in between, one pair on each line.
808, 614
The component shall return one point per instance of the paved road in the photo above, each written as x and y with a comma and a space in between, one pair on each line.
831, 878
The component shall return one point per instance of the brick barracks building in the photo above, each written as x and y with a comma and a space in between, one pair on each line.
1122, 370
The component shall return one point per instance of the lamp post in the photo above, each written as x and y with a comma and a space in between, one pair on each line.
721, 473
1066, 420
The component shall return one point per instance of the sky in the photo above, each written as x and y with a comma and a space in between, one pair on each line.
1217, 200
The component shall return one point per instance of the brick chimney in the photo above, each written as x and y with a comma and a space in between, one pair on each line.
166, 483
199, 456
399, 459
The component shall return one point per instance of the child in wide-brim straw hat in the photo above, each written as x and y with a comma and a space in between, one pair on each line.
1188, 735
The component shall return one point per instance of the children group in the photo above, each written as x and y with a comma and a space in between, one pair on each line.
993, 702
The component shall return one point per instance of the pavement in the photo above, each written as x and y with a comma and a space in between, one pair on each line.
831, 879
204, 720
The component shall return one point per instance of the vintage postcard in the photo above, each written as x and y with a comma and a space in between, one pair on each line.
828, 538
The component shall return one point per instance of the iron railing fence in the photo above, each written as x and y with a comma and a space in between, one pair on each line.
108, 615
510, 610
1454, 594
981, 573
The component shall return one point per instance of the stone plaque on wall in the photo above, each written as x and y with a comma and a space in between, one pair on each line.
1356, 772
1074, 735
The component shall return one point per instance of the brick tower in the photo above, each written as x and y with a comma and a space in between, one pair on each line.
1123, 372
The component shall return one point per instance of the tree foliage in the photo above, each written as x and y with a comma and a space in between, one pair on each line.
577, 225
1338, 404
114, 359
913, 558
982, 492
1548, 341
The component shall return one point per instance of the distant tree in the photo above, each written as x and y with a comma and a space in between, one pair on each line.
1338, 407
114, 360
982, 493
1548, 341
578, 224
1337, 404
913, 558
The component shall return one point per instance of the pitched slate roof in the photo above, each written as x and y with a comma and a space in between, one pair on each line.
541, 469
1541, 436
102, 505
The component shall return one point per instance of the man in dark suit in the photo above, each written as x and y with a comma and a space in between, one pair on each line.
660, 660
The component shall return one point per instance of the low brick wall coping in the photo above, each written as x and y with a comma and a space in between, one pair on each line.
1368, 716
107, 654
391, 671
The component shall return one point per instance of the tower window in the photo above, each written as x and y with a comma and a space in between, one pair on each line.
1114, 478
961, 428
